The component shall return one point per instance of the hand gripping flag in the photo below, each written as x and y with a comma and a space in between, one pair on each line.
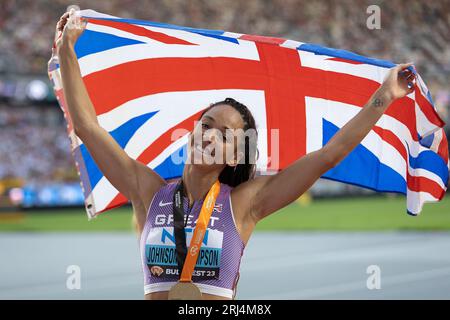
147, 79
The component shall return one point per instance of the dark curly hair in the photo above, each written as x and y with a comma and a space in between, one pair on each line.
233, 176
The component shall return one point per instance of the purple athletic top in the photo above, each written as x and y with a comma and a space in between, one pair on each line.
217, 268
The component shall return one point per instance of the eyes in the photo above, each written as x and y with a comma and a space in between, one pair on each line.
205, 126
225, 138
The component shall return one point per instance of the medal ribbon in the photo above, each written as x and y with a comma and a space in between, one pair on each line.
188, 258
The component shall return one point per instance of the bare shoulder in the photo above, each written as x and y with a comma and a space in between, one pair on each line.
243, 199
149, 183
245, 195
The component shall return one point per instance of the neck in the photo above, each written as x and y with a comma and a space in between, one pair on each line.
197, 182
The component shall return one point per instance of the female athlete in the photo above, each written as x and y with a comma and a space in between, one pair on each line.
239, 199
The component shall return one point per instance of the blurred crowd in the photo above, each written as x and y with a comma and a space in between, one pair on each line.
416, 30
35, 146
412, 30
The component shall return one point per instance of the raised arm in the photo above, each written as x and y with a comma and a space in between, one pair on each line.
132, 178
270, 193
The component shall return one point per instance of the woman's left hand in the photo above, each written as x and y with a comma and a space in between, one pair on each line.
399, 82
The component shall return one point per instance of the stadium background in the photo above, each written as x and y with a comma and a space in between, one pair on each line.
39, 186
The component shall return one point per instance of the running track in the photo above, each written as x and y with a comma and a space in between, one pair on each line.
275, 266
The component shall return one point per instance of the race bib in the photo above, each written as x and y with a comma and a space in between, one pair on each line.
161, 253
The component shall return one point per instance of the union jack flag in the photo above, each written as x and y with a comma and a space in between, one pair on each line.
147, 79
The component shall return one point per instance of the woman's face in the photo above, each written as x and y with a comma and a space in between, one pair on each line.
216, 137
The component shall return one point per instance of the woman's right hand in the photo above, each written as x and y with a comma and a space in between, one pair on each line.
68, 29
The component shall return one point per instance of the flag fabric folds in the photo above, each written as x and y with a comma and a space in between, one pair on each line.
147, 79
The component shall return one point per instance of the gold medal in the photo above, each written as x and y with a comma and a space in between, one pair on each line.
185, 291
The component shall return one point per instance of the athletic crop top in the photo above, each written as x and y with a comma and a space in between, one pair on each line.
217, 268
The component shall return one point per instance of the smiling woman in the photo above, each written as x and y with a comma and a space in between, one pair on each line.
233, 129
218, 201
